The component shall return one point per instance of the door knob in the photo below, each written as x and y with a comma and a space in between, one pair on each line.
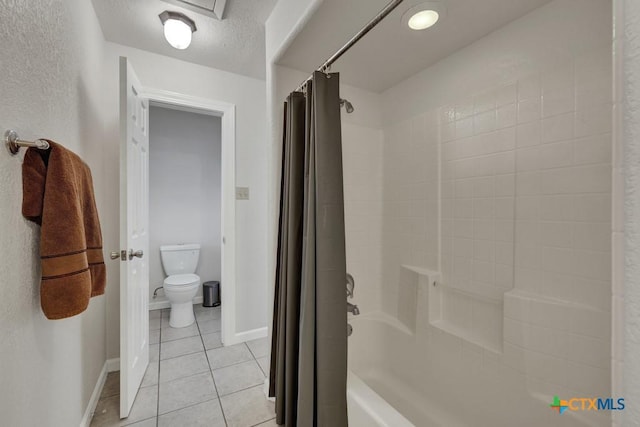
118, 254
137, 253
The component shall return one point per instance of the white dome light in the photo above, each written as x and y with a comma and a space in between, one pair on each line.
178, 29
423, 19
177, 33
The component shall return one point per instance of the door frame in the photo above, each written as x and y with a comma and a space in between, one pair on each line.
227, 113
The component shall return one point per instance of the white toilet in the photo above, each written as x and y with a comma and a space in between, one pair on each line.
181, 285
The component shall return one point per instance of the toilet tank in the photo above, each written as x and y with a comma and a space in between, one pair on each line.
180, 259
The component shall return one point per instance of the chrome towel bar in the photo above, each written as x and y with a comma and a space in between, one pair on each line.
13, 142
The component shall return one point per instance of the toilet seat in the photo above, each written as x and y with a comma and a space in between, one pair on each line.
178, 281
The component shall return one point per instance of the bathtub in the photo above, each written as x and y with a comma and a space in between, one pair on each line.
375, 397
398, 378
367, 409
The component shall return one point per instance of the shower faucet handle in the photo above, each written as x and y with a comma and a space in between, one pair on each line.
350, 285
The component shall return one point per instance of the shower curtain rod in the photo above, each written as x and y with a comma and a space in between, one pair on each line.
375, 21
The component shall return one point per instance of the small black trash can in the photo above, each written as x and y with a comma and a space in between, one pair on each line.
211, 294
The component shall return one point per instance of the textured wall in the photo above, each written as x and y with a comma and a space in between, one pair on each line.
184, 190
50, 85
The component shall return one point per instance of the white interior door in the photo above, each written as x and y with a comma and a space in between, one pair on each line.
134, 236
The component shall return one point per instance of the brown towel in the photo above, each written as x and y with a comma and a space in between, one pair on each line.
58, 195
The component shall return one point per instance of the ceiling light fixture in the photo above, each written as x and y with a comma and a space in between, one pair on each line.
424, 15
423, 19
178, 29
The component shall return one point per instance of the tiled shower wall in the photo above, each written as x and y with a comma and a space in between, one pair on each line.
362, 165
527, 166
410, 201
522, 171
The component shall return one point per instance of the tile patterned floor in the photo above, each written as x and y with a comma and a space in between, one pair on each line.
192, 380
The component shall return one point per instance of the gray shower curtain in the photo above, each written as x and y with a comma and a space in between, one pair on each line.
308, 375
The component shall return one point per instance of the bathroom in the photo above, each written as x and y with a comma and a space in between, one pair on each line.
184, 194
490, 208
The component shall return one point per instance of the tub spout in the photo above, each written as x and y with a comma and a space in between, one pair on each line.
353, 309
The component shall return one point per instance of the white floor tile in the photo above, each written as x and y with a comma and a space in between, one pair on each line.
181, 347
188, 377
151, 422
151, 375
154, 337
260, 347
154, 324
183, 366
171, 334
225, 356
270, 423
207, 314
210, 325
238, 377
264, 363
185, 392
111, 385
206, 414
212, 340
154, 352
247, 407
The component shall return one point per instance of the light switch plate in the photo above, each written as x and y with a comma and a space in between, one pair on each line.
242, 193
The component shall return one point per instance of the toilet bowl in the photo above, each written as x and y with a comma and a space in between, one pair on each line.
181, 285
180, 290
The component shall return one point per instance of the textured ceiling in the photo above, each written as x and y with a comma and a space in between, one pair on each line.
391, 52
234, 44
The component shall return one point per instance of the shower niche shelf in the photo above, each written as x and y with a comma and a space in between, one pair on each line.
413, 293
474, 316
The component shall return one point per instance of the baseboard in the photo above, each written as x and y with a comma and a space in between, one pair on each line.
113, 365
253, 334
95, 396
157, 305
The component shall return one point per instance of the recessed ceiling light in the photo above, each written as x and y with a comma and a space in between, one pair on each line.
178, 29
424, 15
423, 19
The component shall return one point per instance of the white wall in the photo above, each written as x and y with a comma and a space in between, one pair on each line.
51, 87
248, 95
286, 20
184, 190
